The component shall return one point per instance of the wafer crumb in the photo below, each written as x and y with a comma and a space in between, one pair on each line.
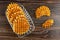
48, 23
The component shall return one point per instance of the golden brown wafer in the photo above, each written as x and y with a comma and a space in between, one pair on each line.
17, 18
42, 11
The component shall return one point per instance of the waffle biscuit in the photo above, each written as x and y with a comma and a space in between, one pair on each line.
48, 23
42, 11
17, 18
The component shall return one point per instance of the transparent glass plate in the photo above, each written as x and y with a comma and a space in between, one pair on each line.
32, 27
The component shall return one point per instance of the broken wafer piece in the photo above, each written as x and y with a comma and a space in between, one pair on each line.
17, 18
48, 23
42, 11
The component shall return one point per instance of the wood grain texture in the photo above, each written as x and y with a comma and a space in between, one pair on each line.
6, 32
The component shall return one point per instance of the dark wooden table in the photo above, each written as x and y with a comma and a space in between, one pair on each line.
53, 33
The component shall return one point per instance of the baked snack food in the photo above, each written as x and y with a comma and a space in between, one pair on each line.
16, 17
48, 23
42, 11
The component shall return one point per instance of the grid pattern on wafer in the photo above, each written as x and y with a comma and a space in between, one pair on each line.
42, 11
17, 18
